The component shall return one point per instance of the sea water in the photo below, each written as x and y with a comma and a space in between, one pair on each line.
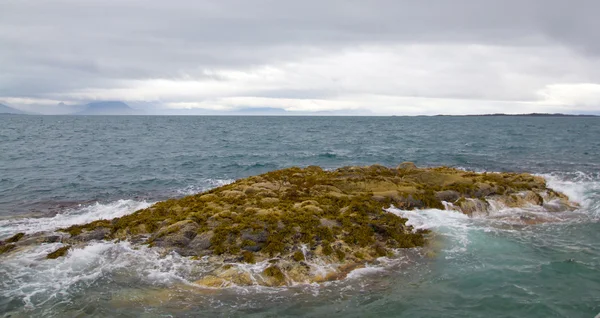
56, 171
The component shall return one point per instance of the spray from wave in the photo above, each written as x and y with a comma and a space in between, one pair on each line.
34, 281
81, 215
97, 211
583, 188
204, 186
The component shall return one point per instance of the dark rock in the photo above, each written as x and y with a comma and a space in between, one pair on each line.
533, 198
253, 248
15, 238
413, 203
483, 190
257, 237
4, 248
138, 239
407, 166
95, 234
201, 241
59, 252
448, 195
179, 234
329, 223
51, 239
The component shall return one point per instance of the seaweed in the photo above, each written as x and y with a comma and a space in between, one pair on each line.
248, 257
6, 248
340, 210
59, 252
15, 238
298, 256
275, 272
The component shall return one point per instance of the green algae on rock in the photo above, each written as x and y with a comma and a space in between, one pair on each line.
5, 248
293, 216
62, 251
15, 238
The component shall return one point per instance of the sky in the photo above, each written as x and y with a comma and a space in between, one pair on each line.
377, 57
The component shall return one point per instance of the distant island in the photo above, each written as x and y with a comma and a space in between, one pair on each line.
527, 115
94, 108
5, 110
108, 108
121, 108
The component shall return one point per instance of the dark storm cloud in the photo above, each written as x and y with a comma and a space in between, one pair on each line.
54, 47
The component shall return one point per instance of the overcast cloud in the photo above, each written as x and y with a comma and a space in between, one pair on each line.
384, 57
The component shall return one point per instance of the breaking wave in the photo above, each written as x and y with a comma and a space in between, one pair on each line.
80, 215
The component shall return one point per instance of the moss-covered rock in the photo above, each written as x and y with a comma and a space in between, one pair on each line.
335, 217
59, 252
274, 276
5, 248
15, 238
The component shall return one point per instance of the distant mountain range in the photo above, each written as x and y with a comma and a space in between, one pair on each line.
120, 108
108, 108
9, 110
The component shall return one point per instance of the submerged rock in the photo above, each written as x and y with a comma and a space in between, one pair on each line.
59, 252
291, 223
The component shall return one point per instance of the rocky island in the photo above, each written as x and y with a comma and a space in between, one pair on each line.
289, 222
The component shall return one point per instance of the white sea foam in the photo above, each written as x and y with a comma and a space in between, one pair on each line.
88, 213
452, 224
28, 276
206, 185
81, 215
364, 271
580, 187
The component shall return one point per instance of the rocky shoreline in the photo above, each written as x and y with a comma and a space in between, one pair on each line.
289, 222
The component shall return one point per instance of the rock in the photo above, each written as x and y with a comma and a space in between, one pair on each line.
5, 248
333, 218
273, 276
179, 234
208, 197
299, 272
447, 195
15, 238
201, 242
236, 276
558, 206
99, 233
313, 209
329, 223
377, 169
255, 236
269, 201
533, 198
213, 281
407, 166
314, 169
472, 206
59, 252
483, 190
51, 239
266, 185
520, 199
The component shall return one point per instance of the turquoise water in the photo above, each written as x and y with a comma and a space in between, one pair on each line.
61, 170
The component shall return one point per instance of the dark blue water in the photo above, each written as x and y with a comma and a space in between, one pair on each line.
68, 169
